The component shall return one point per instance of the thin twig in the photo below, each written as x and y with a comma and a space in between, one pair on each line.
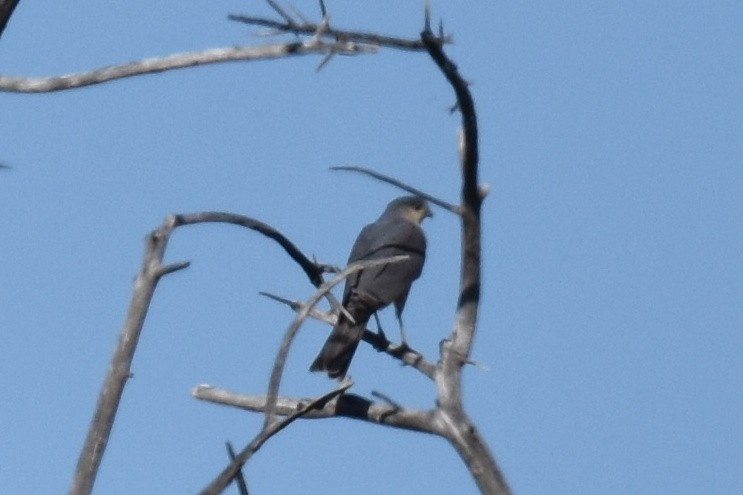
242, 485
281, 12
386, 398
397, 183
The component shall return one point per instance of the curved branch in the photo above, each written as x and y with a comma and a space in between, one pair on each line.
150, 273
398, 183
313, 270
455, 350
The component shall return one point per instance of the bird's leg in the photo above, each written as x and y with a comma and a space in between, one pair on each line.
403, 337
380, 332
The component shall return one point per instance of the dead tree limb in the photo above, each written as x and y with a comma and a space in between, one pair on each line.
242, 485
150, 273
176, 61
323, 40
455, 350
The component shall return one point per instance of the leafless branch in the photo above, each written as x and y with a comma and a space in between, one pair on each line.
225, 477
405, 354
460, 431
242, 485
347, 406
449, 418
150, 273
120, 368
397, 183
177, 61
313, 270
324, 40
310, 28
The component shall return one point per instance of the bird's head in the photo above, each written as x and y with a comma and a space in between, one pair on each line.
413, 208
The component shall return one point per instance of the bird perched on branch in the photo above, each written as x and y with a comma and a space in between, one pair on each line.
396, 232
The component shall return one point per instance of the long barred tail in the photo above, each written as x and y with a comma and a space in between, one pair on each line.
336, 355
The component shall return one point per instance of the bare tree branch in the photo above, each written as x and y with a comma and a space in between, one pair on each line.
225, 477
119, 370
449, 418
345, 42
177, 61
397, 183
149, 275
313, 270
455, 350
242, 485
347, 406
404, 353
308, 28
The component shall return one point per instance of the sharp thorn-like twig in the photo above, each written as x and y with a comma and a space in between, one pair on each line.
397, 183
289, 20
387, 399
242, 486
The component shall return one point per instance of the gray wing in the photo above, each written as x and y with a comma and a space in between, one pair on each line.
388, 236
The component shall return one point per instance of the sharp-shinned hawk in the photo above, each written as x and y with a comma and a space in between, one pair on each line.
396, 232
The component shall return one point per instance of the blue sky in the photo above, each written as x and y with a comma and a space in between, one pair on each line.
611, 318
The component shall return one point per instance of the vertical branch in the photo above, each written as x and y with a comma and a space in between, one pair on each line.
458, 428
119, 369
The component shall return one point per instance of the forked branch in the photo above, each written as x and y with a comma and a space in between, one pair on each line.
150, 273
